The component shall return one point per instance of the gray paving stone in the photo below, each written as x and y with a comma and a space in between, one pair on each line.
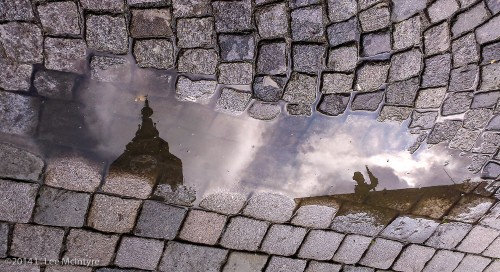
489, 143
74, 173
367, 101
17, 201
4, 239
272, 21
371, 76
361, 219
245, 262
117, 270
333, 104
195, 32
30, 241
264, 110
151, 23
410, 229
314, 216
235, 73
19, 267
110, 69
185, 257
466, 3
430, 98
470, 19
351, 268
15, 77
191, 8
436, 71
341, 10
107, 33
442, 9
54, 84
154, 53
477, 118
203, 227
84, 244
343, 58
199, 91
233, 101
376, 43
375, 18
464, 139
22, 42
63, 208
148, 3
270, 207
406, 33
272, 59
491, 170
413, 258
320, 245
489, 78
301, 88
308, 24
352, 248
473, 263
494, 6
277, 264
394, 113
465, 50
494, 123
489, 31
297, 3
139, 253
283, 240
69, 268
402, 93
444, 260
19, 164
495, 266
299, 109
402, 9
457, 102
67, 55
268, 88
244, 233
493, 249
485, 100
113, 214
382, 253
106, 5
234, 47
464, 78
491, 53
343, 32
198, 61
478, 239
224, 202
158, 220
364, 4
336, 83
59, 18
315, 266
232, 16
444, 131
308, 58
16, 11
437, 39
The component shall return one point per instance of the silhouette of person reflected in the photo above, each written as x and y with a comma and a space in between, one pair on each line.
362, 187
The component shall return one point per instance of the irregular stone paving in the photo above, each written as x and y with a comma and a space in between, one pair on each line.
62, 217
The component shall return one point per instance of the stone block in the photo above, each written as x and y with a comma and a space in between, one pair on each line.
414, 258
343, 58
30, 241
199, 91
470, 19
232, 16
444, 260
435, 204
19, 164
314, 216
191, 8
333, 104
436, 71
410, 229
277, 264
54, 84
272, 21
490, 53
430, 98
67, 55
15, 77
113, 214
352, 248
185, 257
22, 42
361, 219
245, 262
343, 32
493, 249
268, 88
139, 253
16, 11
203, 227
494, 6
233, 101
407, 33
308, 24
457, 102
235, 73
283, 240
478, 239
195, 32
264, 110
272, 59
464, 140
341, 10
154, 53
315, 266
376, 43
151, 23
68, 268
226, 203
103, 5
336, 83
74, 173
371, 76
405, 65
320, 245
299, 109
107, 33
492, 219
367, 101
84, 244
382, 253
402, 93
485, 100
308, 58
244, 233
473, 263
158, 220
351, 268
235, 47
270, 207
19, 267
17, 201
301, 88
495, 266
198, 61
464, 78
59, 18
63, 208
110, 69
465, 50
489, 77
442, 9
437, 39
297, 3
4, 239
488, 32
394, 113
402, 9
375, 18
